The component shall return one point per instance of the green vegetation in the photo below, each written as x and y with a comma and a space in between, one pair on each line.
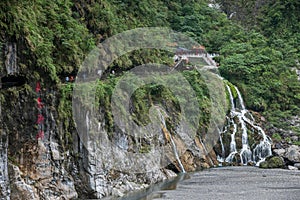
296, 143
143, 98
258, 49
276, 137
260, 61
272, 162
49, 39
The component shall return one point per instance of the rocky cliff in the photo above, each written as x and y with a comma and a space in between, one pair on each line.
43, 157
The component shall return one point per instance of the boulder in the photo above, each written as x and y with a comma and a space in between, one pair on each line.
272, 162
293, 154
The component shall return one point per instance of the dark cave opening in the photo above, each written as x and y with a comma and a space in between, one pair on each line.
12, 81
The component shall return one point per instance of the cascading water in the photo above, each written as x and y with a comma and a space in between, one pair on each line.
222, 157
233, 150
241, 101
162, 119
239, 120
176, 154
231, 98
245, 152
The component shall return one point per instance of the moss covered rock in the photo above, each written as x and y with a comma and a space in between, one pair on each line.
272, 162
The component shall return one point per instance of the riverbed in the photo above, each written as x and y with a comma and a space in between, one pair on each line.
226, 183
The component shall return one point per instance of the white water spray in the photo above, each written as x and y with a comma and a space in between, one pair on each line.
240, 113
162, 119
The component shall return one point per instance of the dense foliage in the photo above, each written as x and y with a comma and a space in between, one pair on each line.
257, 41
263, 58
49, 39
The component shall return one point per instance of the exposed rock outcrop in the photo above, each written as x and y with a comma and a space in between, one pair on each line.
11, 58
4, 178
62, 165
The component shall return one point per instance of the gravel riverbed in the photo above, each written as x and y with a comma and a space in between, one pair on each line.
227, 183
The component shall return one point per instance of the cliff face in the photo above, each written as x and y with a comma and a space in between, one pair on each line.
42, 156
4, 179
36, 165
45, 167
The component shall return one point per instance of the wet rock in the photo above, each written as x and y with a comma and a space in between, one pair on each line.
272, 162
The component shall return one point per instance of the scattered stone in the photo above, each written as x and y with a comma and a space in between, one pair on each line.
292, 167
297, 165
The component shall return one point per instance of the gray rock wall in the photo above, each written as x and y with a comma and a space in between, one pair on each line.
11, 58
4, 179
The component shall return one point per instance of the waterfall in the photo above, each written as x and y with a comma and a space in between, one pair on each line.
176, 154
241, 101
231, 98
245, 152
222, 157
233, 150
244, 118
162, 119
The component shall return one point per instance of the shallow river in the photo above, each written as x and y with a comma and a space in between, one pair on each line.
226, 183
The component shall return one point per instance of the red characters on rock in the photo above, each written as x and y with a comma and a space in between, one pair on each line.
40, 135
38, 87
40, 119
39, 103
